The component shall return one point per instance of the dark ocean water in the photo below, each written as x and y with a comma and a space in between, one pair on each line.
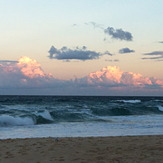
24, 110
64, 116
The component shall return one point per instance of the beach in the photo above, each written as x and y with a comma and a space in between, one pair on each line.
117, 149
74, 129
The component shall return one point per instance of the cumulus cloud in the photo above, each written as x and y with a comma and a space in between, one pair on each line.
27, 77
78, 53
25, 73
112, 76
118, 34
126, 50
156, 55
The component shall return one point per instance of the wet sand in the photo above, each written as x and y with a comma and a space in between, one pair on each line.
127, 149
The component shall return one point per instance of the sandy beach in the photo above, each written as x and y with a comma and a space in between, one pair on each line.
125, 149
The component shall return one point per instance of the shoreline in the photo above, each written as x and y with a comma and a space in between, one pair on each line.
143, 148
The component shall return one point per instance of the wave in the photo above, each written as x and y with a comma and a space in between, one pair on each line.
160, 108
71, 115
7, 120
130, 101
45, 114
47, 110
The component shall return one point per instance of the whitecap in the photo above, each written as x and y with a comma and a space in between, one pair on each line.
7, 120
160, 107
130, 101
45, 114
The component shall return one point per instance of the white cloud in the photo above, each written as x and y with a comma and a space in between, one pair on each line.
112, 76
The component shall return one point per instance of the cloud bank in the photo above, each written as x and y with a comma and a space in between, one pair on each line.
112, 76
156, 55
126, 50
66, 53
8, 61
118, 34
27, 77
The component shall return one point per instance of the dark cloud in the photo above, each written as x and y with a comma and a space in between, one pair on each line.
126, 50
8, 61
112, 60
107, 53
114, 33
157, 55
118, 34
161, 42
66, 53
154, 53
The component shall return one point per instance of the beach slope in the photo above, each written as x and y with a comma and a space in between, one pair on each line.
127, 149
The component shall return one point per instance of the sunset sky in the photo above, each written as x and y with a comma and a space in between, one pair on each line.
68, 47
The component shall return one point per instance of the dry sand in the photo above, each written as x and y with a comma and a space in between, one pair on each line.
127, 149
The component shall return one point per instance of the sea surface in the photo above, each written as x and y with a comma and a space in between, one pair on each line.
79, 116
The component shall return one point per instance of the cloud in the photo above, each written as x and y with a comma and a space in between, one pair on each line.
27, 77
156, 55
112, 60
112, 76
7, 62
118, 34
95, 25
25, 72
66, 53
161, 42
126, 50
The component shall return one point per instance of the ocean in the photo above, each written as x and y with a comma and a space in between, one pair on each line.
79, 116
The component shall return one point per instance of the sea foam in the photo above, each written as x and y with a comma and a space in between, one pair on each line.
160, 108
7, 120
130, 101
45, 114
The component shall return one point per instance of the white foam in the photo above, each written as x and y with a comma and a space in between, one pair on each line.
7, 120
121, 126
45, 115
130, 101
160, 107
158, 100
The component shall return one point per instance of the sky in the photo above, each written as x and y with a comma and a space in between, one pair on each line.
96, 47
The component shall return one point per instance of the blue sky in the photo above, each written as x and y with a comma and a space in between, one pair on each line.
30, 28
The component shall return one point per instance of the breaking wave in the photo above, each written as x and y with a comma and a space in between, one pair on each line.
130, 101
160, 108
34, 110
7, 120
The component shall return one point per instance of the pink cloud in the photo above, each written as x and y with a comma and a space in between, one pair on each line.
30, 67
27, 75
112, 76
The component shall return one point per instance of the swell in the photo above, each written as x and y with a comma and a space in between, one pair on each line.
22, 110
